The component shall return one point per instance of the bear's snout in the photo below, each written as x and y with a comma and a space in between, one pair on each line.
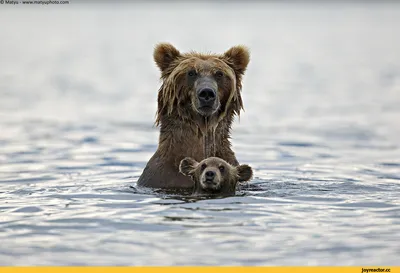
207, 102
210, 176
207, 97
210, 180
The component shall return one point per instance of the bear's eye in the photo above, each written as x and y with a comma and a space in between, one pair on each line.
219, 74
192, 73
203, 166
221, 169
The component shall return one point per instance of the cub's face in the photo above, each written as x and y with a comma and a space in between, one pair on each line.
214, 175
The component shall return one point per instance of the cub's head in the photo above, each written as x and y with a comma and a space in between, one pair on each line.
214, 175
197, 84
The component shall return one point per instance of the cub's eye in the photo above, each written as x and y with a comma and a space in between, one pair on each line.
192, 73
203, 166
221, 169
219, 74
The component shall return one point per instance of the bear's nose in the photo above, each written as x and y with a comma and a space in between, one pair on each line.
210, 175
207, 95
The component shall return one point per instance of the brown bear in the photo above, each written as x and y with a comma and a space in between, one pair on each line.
197, 101
214, 176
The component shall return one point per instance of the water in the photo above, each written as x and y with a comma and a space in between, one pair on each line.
321, 130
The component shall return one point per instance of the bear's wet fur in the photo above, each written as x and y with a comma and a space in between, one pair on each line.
214, 176
197, 101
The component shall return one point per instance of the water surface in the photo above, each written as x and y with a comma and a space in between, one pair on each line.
321, 130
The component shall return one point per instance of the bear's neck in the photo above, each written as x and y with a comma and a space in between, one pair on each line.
197, 138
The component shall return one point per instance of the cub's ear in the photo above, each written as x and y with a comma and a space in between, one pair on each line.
245, 172
164, 54
238, 57
187, 166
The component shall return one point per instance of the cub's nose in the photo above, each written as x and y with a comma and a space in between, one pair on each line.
210, 175
207, 96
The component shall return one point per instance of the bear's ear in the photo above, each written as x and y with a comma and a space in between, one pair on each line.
187, 166
238, 57
164, 54
245, 172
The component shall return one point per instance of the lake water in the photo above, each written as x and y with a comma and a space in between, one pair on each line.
321, 129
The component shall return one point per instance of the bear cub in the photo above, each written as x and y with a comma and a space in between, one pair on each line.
214, 176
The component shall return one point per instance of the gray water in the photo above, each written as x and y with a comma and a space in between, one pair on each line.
321, 129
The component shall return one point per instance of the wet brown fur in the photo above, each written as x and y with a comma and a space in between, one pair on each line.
183, 130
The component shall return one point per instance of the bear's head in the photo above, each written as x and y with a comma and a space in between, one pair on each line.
214, 175
200, 85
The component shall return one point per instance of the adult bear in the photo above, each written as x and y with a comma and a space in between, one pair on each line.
197, 101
